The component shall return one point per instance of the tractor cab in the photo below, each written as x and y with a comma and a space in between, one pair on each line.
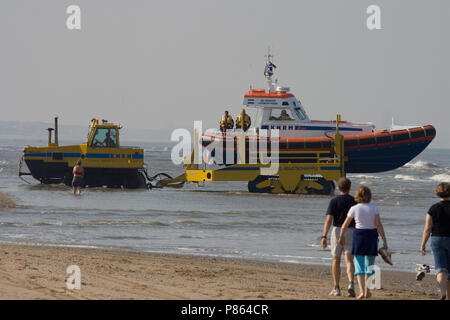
104, 135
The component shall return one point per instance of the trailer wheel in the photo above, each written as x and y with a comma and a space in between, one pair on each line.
252, 185
328, 187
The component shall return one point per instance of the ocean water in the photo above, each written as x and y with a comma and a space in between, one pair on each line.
219, 219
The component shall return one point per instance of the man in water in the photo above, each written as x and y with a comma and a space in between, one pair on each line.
336, 215
78, 174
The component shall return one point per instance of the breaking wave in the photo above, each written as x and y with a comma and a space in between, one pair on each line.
157, 149
443, 177
422, 165
363, 176
407, 177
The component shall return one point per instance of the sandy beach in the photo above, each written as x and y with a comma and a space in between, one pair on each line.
39, 272
32, 272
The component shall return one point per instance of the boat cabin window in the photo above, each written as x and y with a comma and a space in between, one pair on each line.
301, 115
105, 137
281, 115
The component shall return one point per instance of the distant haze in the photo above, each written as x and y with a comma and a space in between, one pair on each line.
36, 134
160, 65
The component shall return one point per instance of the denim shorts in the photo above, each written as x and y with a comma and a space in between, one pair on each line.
441, 252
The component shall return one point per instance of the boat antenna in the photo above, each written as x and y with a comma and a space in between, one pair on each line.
269, 70
269, 56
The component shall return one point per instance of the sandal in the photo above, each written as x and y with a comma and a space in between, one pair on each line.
386, 255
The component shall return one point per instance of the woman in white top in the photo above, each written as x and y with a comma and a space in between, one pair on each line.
365, 237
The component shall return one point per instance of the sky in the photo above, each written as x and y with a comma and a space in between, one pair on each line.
163, 64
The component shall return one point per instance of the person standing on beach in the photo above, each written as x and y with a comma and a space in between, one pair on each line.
437, 224
78, 174
365, 237
336, 215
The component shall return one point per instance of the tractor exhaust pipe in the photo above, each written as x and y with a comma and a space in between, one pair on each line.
56, 130
49, 136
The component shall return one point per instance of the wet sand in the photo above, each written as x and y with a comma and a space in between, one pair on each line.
36, 272
6, 202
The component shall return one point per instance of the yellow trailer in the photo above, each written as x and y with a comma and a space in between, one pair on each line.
312, 177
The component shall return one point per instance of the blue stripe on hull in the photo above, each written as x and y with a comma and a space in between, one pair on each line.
50, 154
72, 155
297, 127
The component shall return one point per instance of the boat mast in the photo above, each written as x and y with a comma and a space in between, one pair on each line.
269, 71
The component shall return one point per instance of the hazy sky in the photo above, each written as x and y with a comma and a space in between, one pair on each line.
163, 64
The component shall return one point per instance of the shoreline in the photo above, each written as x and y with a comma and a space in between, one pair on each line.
118, 248
39, 272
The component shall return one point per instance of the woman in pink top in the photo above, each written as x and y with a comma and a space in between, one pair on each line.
365, 237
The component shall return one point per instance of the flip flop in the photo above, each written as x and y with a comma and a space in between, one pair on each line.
420, 275
385, 255
421, 270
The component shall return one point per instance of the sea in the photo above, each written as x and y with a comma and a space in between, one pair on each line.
219, 219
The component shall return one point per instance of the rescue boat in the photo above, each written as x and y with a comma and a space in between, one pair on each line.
367, 150
105, 162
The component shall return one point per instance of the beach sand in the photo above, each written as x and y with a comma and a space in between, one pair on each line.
36, 272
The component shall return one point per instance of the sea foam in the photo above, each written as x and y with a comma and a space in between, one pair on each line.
421, 165
364, 176
443, 177
406, 177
